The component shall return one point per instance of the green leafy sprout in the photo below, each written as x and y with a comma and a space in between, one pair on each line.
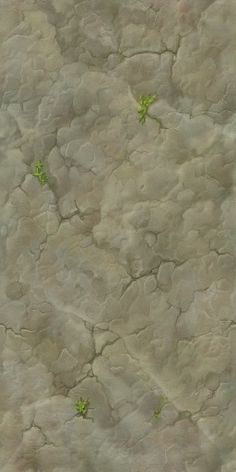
40, 173
144, 103
82, 407
163, 401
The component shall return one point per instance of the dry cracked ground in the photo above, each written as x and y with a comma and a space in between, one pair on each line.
118, 275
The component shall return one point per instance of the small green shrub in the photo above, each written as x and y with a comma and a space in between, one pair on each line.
144, 104
163, 401
82, 407
40, 173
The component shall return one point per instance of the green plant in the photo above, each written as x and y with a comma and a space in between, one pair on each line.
82, 407
144, 104
162, 402
40, 173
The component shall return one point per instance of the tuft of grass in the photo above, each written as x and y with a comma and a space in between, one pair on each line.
40, 173
163, 401
144, 103
82, 407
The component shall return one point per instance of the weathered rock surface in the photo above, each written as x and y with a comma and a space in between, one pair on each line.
118, 276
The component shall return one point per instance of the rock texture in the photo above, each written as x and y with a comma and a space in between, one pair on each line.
118, 276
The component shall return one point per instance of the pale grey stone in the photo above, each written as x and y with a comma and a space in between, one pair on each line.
15, 290
117, 279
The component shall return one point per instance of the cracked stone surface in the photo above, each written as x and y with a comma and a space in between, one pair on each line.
117, 277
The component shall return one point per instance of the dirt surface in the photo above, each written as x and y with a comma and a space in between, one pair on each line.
117, 276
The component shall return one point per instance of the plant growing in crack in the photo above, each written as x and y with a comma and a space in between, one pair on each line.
40, 173
82, 407
144, 103
162, 402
